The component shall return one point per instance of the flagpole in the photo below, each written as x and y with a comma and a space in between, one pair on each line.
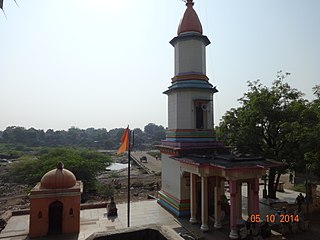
129, 148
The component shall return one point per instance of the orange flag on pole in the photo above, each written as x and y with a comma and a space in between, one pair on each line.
124, 141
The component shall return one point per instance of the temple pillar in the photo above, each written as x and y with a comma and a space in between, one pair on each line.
250, 198
233, 209
217, 203
255, 196
239, 200
204, 204
193, 198
222, 186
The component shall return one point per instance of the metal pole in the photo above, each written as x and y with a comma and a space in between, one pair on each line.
307, 188
265, 193
129, 178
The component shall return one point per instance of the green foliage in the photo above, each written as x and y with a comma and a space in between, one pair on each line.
316, 91
276, 123
260, 126
85, 165
89, 138
300, 188
106, 191
266, 124
154, 154
25, 171
114, 174
157, 132
13, 150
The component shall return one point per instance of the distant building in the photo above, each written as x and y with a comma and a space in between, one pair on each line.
195, 167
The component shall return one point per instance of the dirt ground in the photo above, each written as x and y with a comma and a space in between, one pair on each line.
12, 196
15, 197
142, 184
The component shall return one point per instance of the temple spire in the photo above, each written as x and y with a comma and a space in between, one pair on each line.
190, 21
189, 3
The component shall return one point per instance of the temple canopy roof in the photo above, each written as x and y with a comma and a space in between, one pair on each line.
228, 161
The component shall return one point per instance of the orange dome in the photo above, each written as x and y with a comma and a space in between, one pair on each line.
190, 21
58, 178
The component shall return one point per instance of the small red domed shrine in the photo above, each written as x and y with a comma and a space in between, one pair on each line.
55, 203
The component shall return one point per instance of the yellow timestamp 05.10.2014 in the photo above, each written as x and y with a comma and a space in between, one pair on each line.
272, 218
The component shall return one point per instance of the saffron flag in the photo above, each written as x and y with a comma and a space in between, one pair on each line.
124, 141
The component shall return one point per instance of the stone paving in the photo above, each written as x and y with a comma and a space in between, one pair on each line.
142, 213
288, 196
95, 220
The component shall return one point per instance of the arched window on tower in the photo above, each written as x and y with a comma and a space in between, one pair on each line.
201, 113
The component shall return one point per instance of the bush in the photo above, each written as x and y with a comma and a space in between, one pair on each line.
155, 154
84, 164
300, 187
114, 174
106, 191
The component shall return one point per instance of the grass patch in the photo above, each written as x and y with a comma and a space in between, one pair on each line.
155, 154
114, 174
299, 188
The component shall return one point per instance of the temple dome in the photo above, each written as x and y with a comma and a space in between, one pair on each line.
58, 178
190, 21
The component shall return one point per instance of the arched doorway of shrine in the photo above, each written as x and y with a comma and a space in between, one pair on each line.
55, 217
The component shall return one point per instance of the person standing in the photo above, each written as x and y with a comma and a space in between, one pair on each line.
299, 201
291, 177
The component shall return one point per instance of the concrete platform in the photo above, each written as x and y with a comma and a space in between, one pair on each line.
96, 220
142, 213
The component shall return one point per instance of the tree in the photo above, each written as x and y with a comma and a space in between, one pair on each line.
309, 136
154, 132
15, 134
90, 138
263, 122
1, 5
139, 138
34, 137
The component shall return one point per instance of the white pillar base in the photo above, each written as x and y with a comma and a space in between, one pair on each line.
233, 234
193, 220
204, 227
217, 225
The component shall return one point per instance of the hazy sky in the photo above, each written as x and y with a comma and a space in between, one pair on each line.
105, 64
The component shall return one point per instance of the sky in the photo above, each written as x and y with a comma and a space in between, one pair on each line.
105, 64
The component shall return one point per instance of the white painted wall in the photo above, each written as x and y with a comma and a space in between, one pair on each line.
185, 190
172, 110
170, 176
181, 110
190, 56
184, 106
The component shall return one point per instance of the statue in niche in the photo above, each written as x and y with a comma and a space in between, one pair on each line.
112, 208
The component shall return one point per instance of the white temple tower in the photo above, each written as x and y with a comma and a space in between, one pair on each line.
196, 167
190, 106
190, 110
